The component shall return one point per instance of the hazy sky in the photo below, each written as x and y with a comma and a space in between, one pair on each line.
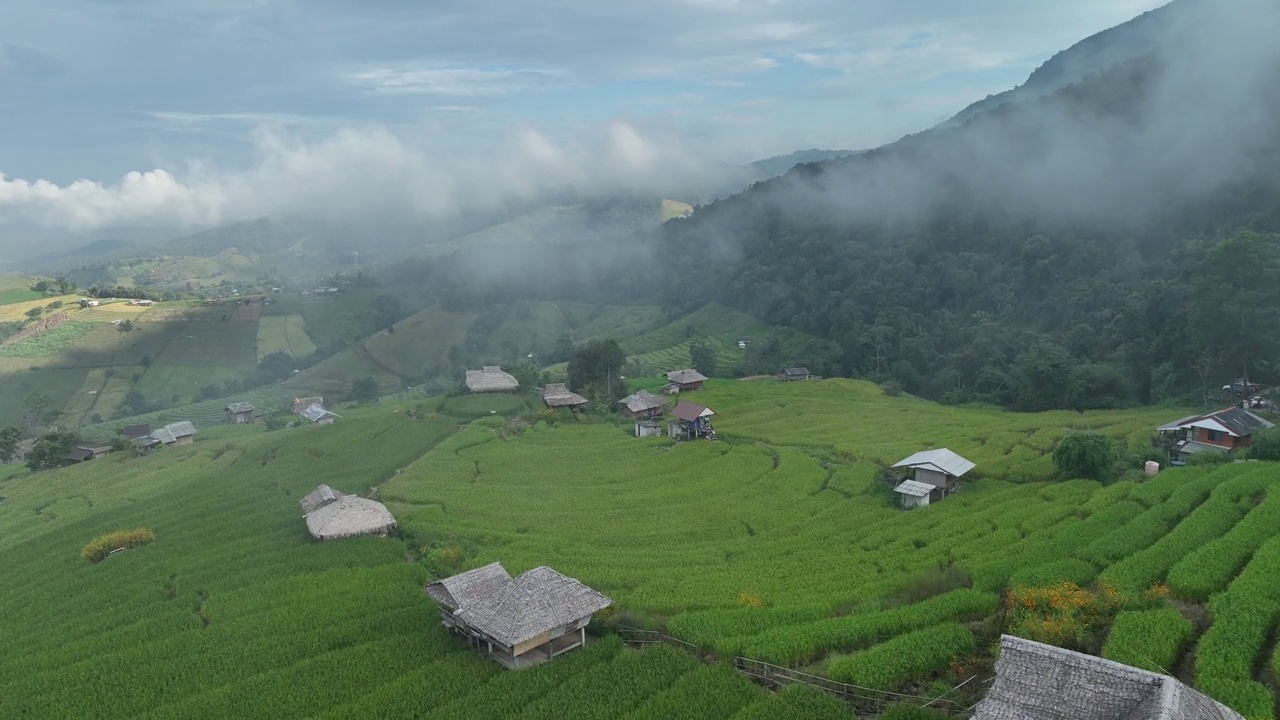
223, 94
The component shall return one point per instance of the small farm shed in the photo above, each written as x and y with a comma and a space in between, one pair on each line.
520, 621
85, 453
491, 378
642, 404
318, 498
686, 380
690, 421
940, 468
794, 374
136, 432
300, 404
1044, 682
240, 413
648, 428
349, 516
914, 494
319, 416
556, 395
179, 433
1228, 429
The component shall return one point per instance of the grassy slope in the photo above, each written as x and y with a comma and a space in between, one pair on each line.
234, 612
284, 333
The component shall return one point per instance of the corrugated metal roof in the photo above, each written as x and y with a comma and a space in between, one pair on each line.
315, 413
181, 429
240, 407
914, 489
1192, 447
942, 460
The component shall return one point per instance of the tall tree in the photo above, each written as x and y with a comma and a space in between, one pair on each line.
51, 450
9, 438
594, 370
39, 412
702, 355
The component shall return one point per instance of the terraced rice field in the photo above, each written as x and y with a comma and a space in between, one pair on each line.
284, 333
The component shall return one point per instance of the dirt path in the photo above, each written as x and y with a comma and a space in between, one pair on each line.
566, 322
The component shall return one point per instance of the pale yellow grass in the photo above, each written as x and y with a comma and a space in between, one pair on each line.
18, 311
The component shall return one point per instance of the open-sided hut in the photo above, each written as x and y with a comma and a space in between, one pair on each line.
240, 413
1044, 682
687, 379
642, 405
556, 395
349, 516
939, 468
520, 621
491, 378
794, 374
319, 416
690, 421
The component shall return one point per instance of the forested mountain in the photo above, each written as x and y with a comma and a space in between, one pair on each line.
1104, 245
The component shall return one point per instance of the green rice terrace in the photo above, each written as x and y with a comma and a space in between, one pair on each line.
779, 543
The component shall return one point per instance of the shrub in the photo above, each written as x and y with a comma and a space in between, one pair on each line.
1265, 445
912, 656
1069, 570
891, 388
1150, 639
1065, 614
103, 545
1083, 455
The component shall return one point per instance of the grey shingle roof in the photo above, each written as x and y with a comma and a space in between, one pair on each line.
350, 516
462, 590
1041, 682
164, 435
531, 604
642, 401
181, 429
686, 377
240, 407
491, 379
318, 498
557, 395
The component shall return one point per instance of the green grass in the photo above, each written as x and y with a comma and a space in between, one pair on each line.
17, 383
50, 342
284, 333
15, 289
420, 344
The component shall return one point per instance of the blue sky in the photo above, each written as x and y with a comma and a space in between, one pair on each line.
211, 104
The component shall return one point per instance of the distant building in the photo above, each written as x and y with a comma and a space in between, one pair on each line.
178, 433
143, 303
86, 453
941, 469
914, 494
1228, 429
648, 428
556, 395
521, 621
1039, 681
135, 432
687, 379
642, 404
300, 404
796, 373
319, 416
491, 378
240, 413
691, 421
330, 515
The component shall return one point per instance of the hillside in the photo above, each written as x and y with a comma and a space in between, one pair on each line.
1070, 251
217, 616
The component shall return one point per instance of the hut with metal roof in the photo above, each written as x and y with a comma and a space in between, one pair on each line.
794, 374
301, 404
240, 413
349, 516
914, 494
319, 416
557, 395
491, 378
1228, 429
520, 621
940, 468
690, 421
1043, 682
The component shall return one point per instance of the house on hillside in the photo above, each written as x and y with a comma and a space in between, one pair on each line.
940, 469
85, 453
136, 432
179, 433
642, 405
1222, 431
143, 303
794, 374
319, 416
1034, 680
521, 621
556, 395
690, 421
686, 380
491, 378
300, 404
330, 515
240, 413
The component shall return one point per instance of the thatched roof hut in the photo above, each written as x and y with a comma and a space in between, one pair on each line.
350, 516
556, 395
1040, 681
687, 379
491, 378
318, 498
642, 403
530, 605
463, 590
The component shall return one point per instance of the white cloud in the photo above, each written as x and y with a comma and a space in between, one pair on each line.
357, 172
463, 82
